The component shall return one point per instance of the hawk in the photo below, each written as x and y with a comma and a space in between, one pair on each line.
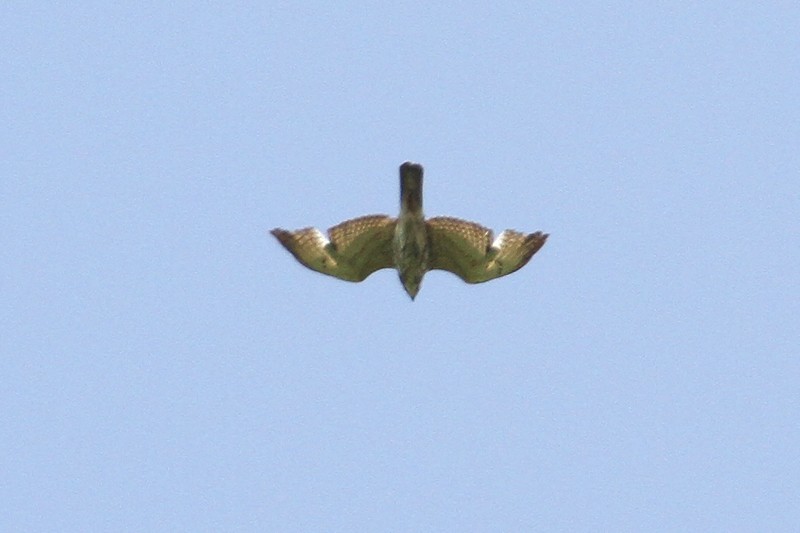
411, 243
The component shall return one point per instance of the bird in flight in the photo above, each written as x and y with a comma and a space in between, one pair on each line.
411, 243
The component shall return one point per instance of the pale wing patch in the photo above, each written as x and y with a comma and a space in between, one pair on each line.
498, 242
317, 237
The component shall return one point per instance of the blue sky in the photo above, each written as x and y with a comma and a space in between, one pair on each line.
167, 366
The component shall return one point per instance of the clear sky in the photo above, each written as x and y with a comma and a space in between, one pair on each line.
167, 366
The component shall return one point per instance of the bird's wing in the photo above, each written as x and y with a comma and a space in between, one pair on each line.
352, 251
467, 250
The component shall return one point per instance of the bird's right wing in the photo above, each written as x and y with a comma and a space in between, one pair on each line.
352, 251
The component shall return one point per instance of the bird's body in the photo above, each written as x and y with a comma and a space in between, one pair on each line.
411, 244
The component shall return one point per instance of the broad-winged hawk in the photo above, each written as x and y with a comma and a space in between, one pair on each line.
410, 243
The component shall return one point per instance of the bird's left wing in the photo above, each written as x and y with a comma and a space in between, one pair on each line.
468, 250
352, 250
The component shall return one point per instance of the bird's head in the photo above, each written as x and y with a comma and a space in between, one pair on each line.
411, 187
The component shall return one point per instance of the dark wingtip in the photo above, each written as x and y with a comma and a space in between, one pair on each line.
534, 241
282, 235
